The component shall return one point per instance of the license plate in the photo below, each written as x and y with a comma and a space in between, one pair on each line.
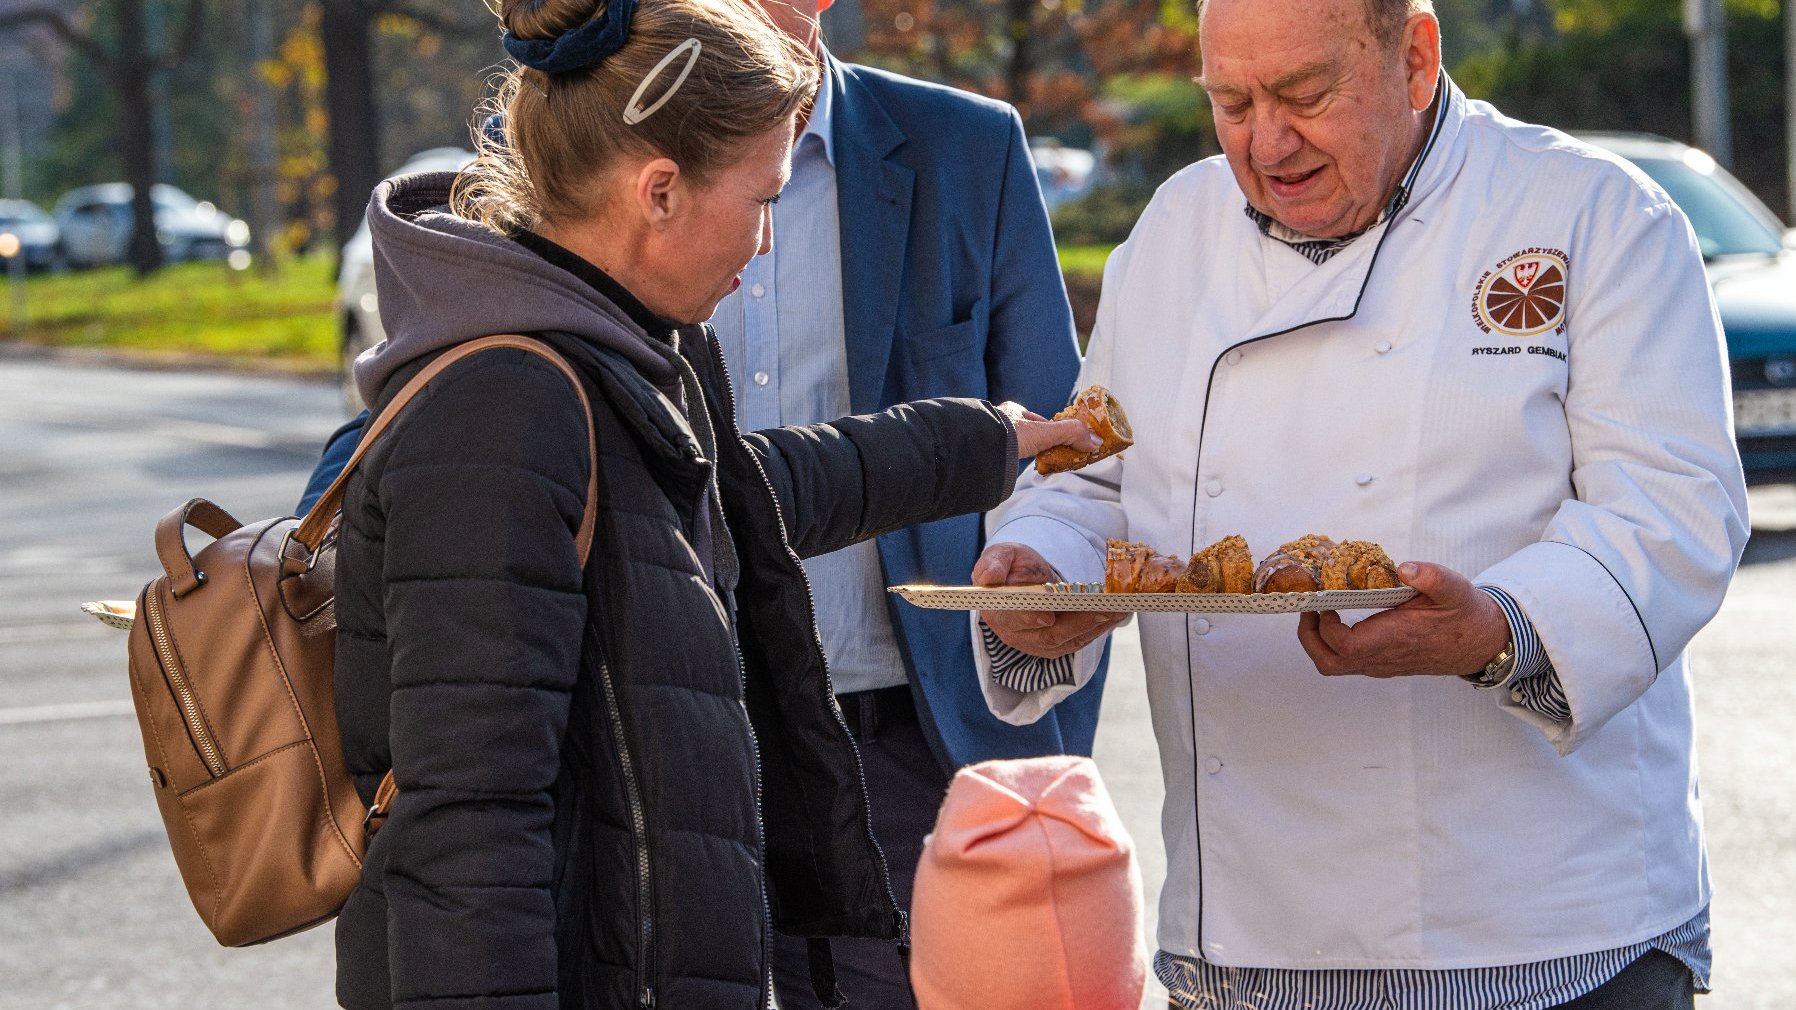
1765, 412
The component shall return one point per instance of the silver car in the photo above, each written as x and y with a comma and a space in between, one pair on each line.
358, 304
29, 233
96, 225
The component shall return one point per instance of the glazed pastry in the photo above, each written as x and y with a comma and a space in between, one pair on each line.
1227, 567
1304, 565
1368, 567
1138, 568
1103, 415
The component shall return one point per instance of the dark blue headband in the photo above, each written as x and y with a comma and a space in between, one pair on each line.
583, 47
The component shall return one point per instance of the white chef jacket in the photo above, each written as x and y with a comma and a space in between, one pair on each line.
1519, 375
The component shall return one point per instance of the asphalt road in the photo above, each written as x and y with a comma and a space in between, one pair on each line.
92, 914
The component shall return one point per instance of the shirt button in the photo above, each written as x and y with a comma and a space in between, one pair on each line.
758, 290
1201, 626
1212, 765
1213, 488
1233, 358
762, 378
1382, 347
1363, 479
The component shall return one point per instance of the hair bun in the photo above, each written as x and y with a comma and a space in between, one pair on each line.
545, 20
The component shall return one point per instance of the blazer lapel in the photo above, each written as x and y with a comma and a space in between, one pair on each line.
873, 197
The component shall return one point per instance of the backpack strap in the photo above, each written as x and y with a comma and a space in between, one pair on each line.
316, 525
318, 522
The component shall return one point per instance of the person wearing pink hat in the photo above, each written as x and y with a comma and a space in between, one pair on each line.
1028, 896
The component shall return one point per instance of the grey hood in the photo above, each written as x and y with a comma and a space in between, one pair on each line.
443, 280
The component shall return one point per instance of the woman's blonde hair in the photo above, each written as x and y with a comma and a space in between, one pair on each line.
561, 131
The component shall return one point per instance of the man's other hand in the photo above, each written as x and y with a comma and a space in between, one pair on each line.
1045, 633
1451, 628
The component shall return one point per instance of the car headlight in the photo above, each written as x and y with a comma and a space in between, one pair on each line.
237, 233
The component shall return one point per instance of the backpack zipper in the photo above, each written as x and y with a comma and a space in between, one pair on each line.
645, 924
184, 696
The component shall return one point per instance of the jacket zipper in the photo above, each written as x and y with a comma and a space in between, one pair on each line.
645, 923
184, 696
900, 919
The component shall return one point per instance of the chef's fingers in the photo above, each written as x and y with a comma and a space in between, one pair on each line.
1443, 586
1328, 662
1012, 565
1016, 621
1076, 631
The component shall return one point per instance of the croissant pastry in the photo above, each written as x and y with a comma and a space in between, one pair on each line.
1224, 567
1227, 567
1103, 415
1314, 562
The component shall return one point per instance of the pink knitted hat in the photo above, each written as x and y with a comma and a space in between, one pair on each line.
1028, 897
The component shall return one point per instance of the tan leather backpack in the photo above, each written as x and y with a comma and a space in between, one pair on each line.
231, 662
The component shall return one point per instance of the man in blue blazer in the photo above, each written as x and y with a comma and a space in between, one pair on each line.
912, 259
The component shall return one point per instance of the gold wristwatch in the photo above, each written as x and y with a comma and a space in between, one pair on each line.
1495, 671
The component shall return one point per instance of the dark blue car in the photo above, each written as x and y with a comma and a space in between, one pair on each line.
1751, 261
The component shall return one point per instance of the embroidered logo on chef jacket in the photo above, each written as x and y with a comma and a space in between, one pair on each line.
1524, 294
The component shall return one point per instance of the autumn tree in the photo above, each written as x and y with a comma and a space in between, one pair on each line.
128, 66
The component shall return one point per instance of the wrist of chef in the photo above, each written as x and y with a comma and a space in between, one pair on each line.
1531, 659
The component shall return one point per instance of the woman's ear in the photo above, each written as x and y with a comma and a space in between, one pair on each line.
659, 194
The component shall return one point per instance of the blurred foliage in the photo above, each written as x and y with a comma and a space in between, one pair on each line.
280, 320
430, 79
1102, 217
1625, 65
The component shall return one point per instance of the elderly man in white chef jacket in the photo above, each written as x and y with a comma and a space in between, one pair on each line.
1391, 313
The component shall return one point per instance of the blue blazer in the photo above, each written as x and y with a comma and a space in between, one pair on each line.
950, 287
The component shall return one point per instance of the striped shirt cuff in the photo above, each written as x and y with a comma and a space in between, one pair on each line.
1021, 672
1533, 683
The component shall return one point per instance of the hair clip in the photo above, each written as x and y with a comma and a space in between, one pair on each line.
634, 112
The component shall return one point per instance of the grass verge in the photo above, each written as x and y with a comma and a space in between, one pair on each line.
283, 320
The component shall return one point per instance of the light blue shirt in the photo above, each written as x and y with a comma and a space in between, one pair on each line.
785, 343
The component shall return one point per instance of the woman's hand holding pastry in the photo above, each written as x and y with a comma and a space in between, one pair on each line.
1452, 628
1035, 433
1044, 633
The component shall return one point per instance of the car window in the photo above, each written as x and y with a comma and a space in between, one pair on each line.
1725, 224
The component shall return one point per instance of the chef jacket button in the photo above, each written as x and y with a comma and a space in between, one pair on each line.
1201, 626
757, 290
1212, 765
1515, 694
1233, 358
1363, 479
1213, 488
1382, 347
762, 378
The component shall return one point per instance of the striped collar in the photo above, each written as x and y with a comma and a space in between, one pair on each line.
1318, 250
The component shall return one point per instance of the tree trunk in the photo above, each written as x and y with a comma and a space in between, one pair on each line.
347, 31
131, 70
1019, 16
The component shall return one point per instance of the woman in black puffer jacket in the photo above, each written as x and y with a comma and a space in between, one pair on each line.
613, 781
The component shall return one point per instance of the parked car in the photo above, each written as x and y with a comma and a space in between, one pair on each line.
358, 304
1064, 173
96, 225
34, 231
1751, 261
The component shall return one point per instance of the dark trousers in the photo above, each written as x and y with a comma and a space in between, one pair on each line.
905, 784
1653, 981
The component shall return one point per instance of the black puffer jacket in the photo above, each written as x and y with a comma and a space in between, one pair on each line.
610, 785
